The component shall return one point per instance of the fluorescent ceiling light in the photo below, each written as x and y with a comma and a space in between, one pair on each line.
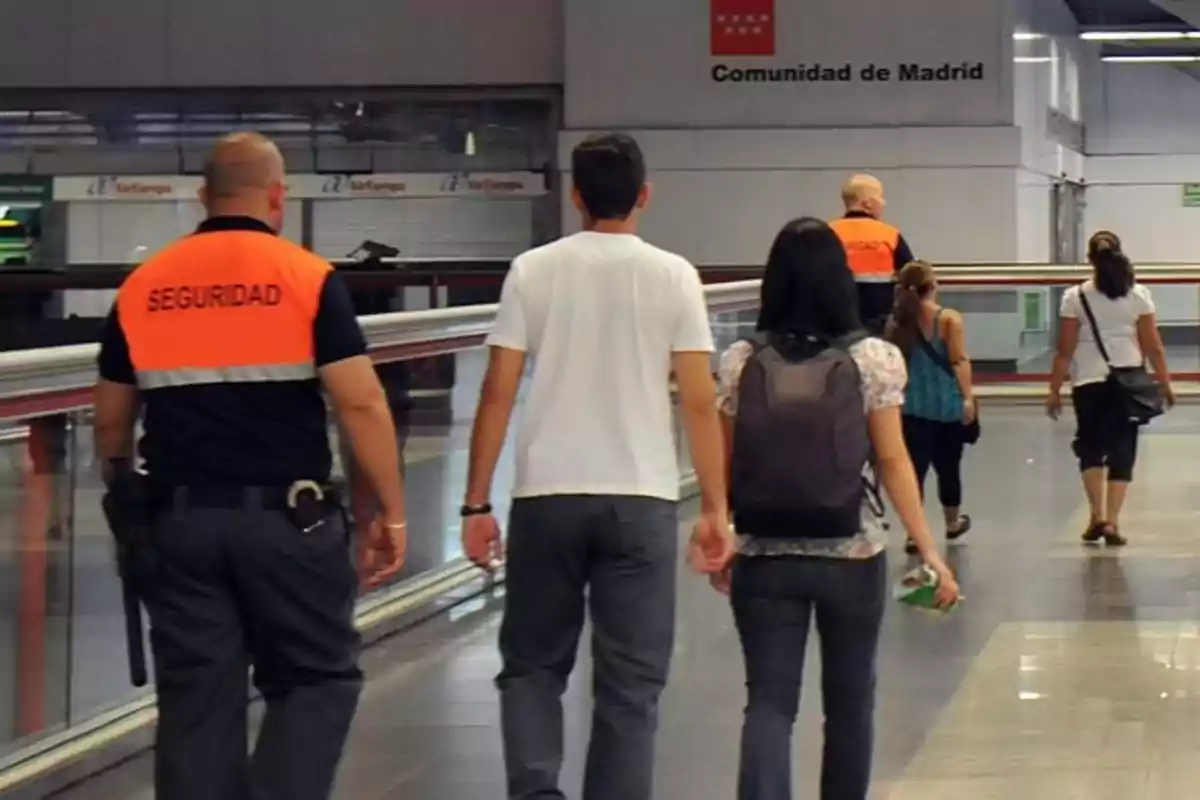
1032, 60
1151, 59
1026, 36
1138, 36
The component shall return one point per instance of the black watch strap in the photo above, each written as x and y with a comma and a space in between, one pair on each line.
475, 511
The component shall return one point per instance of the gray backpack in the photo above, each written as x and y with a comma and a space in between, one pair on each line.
800, 441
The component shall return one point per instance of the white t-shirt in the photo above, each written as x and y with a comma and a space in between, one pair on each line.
1117, 321
600, 315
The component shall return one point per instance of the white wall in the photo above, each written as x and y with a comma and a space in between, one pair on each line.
650, 63
425, 227
1144, 142
720, 196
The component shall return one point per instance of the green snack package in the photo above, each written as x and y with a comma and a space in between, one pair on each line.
918, 588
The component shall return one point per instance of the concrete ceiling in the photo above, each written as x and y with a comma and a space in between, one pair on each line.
1128, 13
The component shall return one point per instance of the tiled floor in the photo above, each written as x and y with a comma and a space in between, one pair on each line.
1067, 674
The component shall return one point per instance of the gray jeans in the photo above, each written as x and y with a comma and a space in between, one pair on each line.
615, 557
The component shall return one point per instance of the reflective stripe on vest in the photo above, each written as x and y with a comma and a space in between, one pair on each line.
223, 307
870, 247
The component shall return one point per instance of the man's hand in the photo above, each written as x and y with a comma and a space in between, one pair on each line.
712, 545
382, 554
481, 541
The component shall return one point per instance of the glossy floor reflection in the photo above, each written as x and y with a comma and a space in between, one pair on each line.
1067, 673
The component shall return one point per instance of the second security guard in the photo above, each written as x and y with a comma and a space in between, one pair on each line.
876, 250
225, 341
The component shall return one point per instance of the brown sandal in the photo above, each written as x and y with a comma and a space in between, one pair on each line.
1113, 538
1094, 534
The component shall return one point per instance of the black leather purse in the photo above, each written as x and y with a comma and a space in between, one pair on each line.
1137, 395
970, 430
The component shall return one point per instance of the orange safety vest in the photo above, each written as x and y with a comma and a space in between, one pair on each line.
226, 306
870, 247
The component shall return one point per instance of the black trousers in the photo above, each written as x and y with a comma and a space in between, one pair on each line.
774, 603
1103, 438
615, 557
940, 445
231, 589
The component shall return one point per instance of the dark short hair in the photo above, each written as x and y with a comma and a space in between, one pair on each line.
609, 172
807, 288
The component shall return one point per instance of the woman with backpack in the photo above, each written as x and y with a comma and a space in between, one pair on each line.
806, 406
939, 405
1107, 327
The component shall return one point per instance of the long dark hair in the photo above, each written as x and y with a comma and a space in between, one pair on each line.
915, 283
1112, 271
808, 289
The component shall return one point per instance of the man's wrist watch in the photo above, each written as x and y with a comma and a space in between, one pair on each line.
469, 510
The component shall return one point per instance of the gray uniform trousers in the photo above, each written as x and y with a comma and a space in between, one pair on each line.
230, 589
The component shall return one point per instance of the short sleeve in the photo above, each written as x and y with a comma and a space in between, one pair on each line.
510, 330
884, 375
1070, 304
729, 373
336, 332
1143, 301
114, 362
693, 330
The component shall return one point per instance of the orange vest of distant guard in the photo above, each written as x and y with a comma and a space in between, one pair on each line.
870, 247
223, 307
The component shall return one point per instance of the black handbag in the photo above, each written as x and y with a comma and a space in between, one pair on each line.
1137, 395
970, 430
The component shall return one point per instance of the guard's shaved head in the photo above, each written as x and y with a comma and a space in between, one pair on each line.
241, 164
858, 188
244, 177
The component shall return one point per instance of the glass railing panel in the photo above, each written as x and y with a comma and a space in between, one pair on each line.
63, 613
38, 586
100, 666
433, 401
1012, 328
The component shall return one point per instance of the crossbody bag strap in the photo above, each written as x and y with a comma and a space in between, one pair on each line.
1091, 318
939, 359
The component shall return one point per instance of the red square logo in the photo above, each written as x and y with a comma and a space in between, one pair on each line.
742, 27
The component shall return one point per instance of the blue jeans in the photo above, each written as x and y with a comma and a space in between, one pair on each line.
774, 600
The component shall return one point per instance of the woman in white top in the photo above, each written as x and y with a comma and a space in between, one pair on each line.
1105, 442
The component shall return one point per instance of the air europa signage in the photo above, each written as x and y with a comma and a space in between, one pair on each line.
113, 186
364, 185
185, 188
746, 29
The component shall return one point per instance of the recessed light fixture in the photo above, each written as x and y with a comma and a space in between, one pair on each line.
1138, 36
1151, 59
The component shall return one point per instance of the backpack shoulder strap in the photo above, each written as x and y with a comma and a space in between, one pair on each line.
846, 341
758, 341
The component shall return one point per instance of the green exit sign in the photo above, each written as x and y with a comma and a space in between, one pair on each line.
1191, 195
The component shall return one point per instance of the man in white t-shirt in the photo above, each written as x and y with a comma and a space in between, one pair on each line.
605, 318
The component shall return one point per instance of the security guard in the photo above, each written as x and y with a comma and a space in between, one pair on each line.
876, 250
225, 339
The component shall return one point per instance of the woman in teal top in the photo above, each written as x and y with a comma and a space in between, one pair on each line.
938, 399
